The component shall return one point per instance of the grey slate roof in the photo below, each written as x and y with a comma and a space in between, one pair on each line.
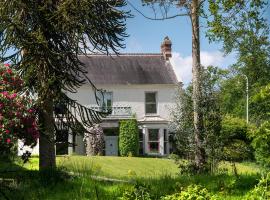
129, 69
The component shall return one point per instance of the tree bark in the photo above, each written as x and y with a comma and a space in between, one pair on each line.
47, 159
197, 89
47, 136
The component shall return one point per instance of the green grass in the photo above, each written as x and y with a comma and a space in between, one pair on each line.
121, 167
161, 175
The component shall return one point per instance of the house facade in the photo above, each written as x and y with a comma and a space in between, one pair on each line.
140, 86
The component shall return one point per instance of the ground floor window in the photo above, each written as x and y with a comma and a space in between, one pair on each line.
153, 140
141, 142
62, 142
166, 141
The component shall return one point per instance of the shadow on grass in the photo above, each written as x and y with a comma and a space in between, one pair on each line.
19, 183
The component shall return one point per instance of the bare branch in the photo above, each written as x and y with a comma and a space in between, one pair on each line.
163, 18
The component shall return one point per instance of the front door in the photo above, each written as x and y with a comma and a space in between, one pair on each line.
111, 145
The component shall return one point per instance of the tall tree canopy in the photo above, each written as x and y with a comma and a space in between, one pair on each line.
46, 38
237, 23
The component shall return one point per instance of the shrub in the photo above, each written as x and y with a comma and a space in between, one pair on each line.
128, 138
17, 117
192, 192
137, 192
261, 144
235, 139
261, 191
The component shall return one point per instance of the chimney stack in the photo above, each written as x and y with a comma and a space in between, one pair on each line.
166, 48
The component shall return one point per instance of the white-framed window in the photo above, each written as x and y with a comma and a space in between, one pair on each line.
141, 142
166, 141
153, 141
151, 102
105, 99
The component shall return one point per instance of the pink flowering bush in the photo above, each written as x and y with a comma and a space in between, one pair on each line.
17, 117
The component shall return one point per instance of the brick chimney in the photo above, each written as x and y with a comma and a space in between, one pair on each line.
166, 48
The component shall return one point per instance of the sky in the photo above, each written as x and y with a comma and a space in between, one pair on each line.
146, 36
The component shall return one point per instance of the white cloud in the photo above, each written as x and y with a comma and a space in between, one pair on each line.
133, 45
183, 65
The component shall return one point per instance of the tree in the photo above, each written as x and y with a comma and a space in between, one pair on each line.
220, 12
191, 9
261, 144
17, 115
241, 27
182, 119
94, 141
46, 38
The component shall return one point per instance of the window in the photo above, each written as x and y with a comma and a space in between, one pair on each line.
141, 144
105, 99
61, 142
150, 103
153, 140
166, 141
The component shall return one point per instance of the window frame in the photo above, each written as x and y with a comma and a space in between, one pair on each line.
153, 141
151, 103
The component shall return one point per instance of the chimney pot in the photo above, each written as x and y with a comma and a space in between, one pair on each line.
166, 48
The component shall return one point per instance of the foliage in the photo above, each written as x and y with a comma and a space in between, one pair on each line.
235, 135
261, 144
47, 38
212, 115
241, 27
261, 191
260, 104
137, 192
128, 137
182, 118
17, 116
192, 192
30, 184
181, 123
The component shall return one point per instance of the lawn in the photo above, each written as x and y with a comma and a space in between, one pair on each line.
160, 175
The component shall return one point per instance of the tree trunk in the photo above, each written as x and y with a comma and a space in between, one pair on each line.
197, 89
94, 141
47, 136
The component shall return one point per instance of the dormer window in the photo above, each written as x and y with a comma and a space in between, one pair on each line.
150, 103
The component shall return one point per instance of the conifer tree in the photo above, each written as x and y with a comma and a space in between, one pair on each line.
45, 38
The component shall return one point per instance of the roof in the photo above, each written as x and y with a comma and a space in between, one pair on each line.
129, 69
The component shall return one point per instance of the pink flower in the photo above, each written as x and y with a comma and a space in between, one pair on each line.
12, 96
8, 140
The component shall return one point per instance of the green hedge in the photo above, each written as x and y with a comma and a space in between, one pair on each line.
129, 138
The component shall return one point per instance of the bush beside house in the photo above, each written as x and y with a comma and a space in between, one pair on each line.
128, 138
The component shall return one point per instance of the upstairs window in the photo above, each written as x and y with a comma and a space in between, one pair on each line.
150, 103
105, 99
108, 99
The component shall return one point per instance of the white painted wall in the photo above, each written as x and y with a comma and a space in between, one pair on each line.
131, 96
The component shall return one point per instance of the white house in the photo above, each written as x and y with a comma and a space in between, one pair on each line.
136, 85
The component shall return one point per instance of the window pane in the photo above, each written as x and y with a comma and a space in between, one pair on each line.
153, 134
150, 108
153, 147
109, 103
165, 135
141, 148
150, 97
165, 147
140, 135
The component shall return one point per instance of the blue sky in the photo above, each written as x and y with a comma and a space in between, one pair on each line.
145, 36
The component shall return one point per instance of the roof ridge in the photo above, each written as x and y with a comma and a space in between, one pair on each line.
123, 54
